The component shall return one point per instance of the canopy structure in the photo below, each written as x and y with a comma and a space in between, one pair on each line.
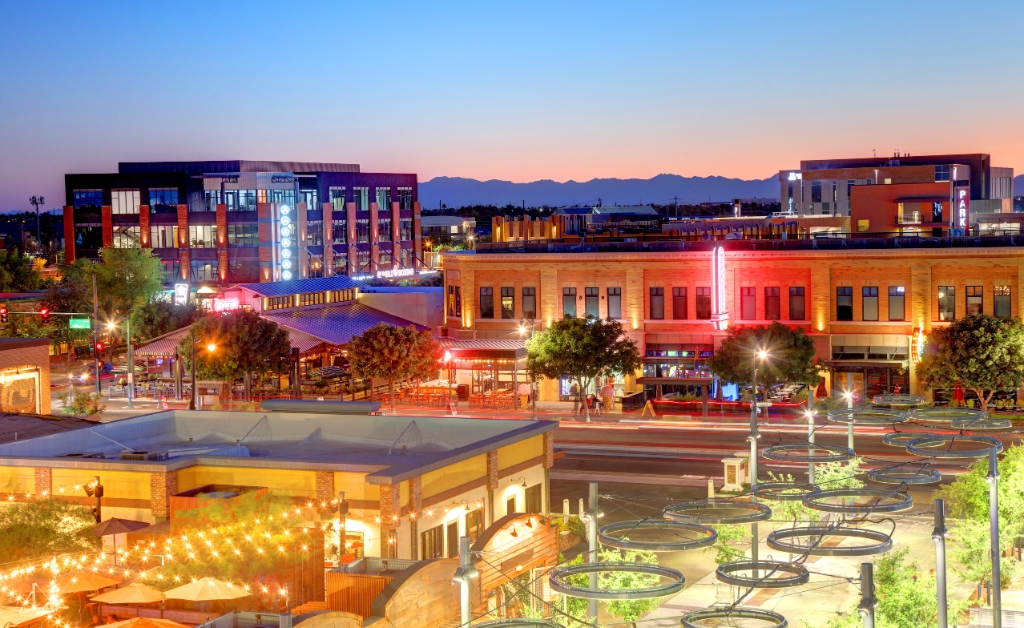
134, 593
205, 590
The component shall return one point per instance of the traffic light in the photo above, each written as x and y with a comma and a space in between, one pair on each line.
45, 314
3, 314
99, 347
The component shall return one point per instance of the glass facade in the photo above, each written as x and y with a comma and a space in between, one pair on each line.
124, 201
164, 236
243, 235
91, 199
339, 231
163, 198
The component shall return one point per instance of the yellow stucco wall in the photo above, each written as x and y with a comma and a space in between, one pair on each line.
454, 475
355, 486
119, 484
17, 480
520, 452
279, 481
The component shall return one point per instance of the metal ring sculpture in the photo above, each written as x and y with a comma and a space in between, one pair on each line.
518, 622
560, 575
947, 414
926, 445
898, 501
832, 453
797, 574
898, 400
705, 536
900, 439
783, 491
868, 416
988, 423
779, 540
904, 476
690, 619
707, 511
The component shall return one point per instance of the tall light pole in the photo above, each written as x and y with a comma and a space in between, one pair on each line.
36, 201
211, 348
761, 355
131, 366
533, 378
848, 396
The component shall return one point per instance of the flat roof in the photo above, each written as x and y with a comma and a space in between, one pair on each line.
20, 343
389, 449
299, 286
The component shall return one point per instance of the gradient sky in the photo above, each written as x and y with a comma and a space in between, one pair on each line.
518, 91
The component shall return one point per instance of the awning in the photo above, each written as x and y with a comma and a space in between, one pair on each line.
336, 325
167, 345
484, 349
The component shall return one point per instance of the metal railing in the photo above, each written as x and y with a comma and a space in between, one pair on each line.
249, 619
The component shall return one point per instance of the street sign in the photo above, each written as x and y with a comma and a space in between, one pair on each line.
80, 323
764, 404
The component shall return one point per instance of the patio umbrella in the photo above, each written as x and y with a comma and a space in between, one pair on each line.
958, 393
134, 593
118, 526
206, 590
144, 622
79, 581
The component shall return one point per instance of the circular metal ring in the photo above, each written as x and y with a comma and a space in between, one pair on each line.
798, 574
707, 511
947, 414
904, 476
831, 453
988, 423
783, 491
900, 439
560, 585
705, 536
867, 416
690, 619
517, 622
925, 446
898, 400
778, 540
899, 501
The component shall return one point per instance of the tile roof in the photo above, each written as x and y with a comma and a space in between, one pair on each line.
336, 324
298, 286
167, 345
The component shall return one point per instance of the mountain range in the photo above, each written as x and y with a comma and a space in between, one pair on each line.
662, 190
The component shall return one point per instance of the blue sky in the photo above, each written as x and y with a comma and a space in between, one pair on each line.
517, 91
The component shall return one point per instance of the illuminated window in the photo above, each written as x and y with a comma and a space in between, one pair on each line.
315, 233
91, 199
590, 302
361, 197
126, 237
311, 298
975, 300
432, 543
947, 303
897, 303
1001, 301
748, 303
337, 196
164, 236
474, 524
569, 302
124, 201
339, 231
508, 302
772, 303
863, 225
529, 303
277, 303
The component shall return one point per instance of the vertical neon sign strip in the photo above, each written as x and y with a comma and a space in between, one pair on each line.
719, 288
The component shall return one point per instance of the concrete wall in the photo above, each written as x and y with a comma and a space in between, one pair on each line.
424, 307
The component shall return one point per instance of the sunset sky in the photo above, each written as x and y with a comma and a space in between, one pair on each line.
518, 91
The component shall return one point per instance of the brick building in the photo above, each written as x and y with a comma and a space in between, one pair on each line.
865, 302
25, 375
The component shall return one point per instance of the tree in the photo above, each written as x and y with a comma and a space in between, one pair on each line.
41, 528
17, 272
982, 352
246, 344
393, 353
73, 293
127, 278
582, 349
158, 317
829, 476
790, 355
574, 613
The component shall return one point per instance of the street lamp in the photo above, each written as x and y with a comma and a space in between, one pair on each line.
533, 378
848, 396
762, 356
211, 347
111, 326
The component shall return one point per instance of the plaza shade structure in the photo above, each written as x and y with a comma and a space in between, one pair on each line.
207, 590
134, 593
80, 581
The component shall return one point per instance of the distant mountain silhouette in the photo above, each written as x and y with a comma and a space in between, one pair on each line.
459, 192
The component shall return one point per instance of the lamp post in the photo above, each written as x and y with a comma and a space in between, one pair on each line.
848, 396
211, 348
762, 355
533, 379
130, 362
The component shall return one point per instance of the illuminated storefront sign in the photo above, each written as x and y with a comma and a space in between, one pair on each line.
225, 304
395, 272
180, 293
719, 290
287, 253
961, 201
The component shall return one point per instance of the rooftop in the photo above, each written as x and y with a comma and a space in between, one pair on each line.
335, 324
231, 166
299, 286
389, 448
19, 427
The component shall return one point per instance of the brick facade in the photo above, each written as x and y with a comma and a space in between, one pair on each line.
162, 486
325, 486
390, 506
44, 481
26, 362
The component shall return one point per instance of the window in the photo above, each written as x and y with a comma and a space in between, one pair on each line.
362, 230
243, 235
432, 543
942, 173
405, 229
863, 225
508, 302
510, 505
679, 304
816, 191
339, 231
797, 305
455, 301
657, 303
212, 199
204, 270
361, 197
311, 198
474, 524
533, 500
975, 300
384, 230
337, 197
529, 303
869, 303
888, 181
89, 236
405, 199
124, 201
1001, 301
614, 302
126, 237
704, 303
337, 296
172, 270
91, 199
568, 301
339, 264
897, 303
590, 300
748, 303
384, 258
202, 236
311, 298
243, 271
773, 303
315, 233
246, 201
486, 302
947, 303
844, 303
163, 236
362, 262
383, 200
277, 303
405, 258
163, 196
281, 197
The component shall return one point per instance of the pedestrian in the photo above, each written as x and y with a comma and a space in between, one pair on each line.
607, 395
525, 393
574, 393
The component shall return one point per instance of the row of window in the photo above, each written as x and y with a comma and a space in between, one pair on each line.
205, 236
127, 200
123, 201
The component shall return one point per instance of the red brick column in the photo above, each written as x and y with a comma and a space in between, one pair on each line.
69, 234
44, 481
183, 226
107, 218
222, 226
162, 486
144, 231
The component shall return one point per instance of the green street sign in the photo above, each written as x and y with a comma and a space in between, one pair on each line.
80, 323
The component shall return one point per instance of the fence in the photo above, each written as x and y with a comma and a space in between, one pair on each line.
982, 618
249, 619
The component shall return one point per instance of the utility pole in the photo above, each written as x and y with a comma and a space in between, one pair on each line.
939, 536
36, 201
95, 325
464, 576
592, 554
993, 522
867, 595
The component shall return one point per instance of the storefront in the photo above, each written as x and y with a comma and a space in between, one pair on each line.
677, 369
486, 372
869, 365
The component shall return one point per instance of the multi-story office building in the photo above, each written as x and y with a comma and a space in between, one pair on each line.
831, 187
221, 222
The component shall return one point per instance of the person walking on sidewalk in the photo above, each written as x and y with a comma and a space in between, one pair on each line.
607, 395
574, 392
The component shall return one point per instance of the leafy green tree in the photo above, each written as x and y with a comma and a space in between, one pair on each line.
40, 528
245, 344
984, 353
160, 316
73, 293
394, 353
628, 611
830, 476
725, 547
126, 279
582, 349
78, 403
790, 355
17, 272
